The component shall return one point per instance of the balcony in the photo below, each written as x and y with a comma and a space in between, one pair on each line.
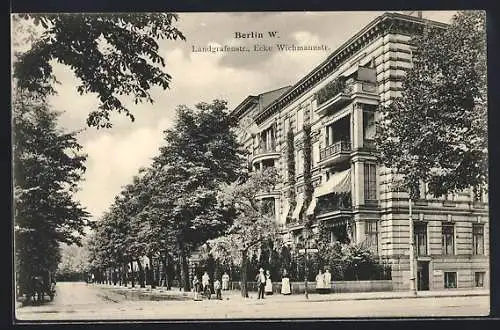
334, 203
335, 153
273, 193
335, 94
339, 93
265, 153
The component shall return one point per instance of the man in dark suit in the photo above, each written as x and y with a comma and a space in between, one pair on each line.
261, 282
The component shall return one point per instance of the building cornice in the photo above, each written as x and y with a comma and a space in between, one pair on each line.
384, 24
244, 106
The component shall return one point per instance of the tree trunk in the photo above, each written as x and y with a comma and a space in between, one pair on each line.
243, 273
124, 275
170, 271
132, 277
163, 276
154, 273
140, 274
184, 268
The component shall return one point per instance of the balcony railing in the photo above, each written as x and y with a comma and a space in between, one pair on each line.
332, 89
265, 149
334, 149
339, 92
332, 203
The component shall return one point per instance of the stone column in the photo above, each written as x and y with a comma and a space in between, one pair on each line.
357, 120
277, 209
357, 183
360, 231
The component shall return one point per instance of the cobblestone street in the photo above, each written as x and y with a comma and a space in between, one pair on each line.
79, 301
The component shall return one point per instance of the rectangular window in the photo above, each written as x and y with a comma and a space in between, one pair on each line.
368, 125
420, 238
479, 279
300, 119
311, 113
300, 163
477, 239
448, 239
315, 155
288, 124
370, 182
371, 233
450, 280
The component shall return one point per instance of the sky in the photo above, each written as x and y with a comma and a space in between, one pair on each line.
116, 154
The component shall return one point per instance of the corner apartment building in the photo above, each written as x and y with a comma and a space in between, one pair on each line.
353, 195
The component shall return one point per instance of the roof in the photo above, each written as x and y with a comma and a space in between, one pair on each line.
386, 22
263, 99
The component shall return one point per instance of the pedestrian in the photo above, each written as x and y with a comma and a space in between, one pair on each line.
261, 282
269, 284
225, 281
328, 281
285, 284
196, 288
205, 281
148, 275
92, 278
320, 282
217, 288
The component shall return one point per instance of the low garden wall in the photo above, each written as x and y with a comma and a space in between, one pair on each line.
336, 287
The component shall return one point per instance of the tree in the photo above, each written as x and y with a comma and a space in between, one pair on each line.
111, 54
290, 150
437, 130
48, 166
307, 151
171, 207
74, 262
201, 152
251, 225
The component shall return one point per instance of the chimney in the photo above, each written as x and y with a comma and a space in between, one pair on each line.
417, 13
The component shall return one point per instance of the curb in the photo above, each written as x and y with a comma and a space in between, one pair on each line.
148, 295
174, 295
399, 297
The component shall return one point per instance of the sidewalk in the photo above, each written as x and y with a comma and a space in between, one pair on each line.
175, 294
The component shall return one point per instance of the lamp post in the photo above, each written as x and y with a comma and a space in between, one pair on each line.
413, 287
305, 266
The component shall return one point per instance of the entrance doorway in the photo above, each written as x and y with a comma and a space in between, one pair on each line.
423, 276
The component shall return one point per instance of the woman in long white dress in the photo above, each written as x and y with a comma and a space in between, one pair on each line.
328, 281
268, 289
225, 281
320, 282
285, 284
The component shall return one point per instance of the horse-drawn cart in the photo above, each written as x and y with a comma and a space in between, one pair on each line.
41, 287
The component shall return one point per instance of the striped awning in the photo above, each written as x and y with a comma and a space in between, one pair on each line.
339, 182
312, 206
298, 207
286, 209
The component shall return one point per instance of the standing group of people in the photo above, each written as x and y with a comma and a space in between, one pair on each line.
265, 284
205, 288
263, 281
323, 281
